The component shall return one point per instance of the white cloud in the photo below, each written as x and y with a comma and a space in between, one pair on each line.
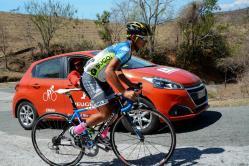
234, 5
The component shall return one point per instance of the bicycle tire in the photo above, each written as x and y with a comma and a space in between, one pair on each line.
120, 155
37, 149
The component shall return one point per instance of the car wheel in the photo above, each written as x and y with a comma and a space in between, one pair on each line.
26, 114
149, 122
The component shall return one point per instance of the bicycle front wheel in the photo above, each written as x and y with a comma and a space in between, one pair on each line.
52, 141
151, 149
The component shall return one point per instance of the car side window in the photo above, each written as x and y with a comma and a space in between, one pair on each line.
71, 66
49, 69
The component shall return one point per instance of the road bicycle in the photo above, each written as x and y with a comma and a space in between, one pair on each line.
53, 143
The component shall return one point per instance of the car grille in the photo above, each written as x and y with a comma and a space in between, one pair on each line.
198, 94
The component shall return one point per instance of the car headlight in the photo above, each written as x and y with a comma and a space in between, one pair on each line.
163, 83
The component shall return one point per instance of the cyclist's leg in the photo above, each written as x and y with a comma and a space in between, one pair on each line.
103, 114
100, 94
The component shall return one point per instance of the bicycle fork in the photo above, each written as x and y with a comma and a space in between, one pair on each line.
138, 133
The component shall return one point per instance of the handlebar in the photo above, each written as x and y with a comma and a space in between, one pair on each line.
129, 103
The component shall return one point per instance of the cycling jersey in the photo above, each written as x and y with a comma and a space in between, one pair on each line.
97, 65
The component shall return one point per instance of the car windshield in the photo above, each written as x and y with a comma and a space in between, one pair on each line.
134, 62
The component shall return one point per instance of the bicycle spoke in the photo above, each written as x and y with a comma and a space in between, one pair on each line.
155, 143
148, 149
133, 149
48, 127
129, 146
154, 150
139, 151
144, 149
154, 147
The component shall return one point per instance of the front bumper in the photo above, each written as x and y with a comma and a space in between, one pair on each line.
198, 95
187, 102
190, 115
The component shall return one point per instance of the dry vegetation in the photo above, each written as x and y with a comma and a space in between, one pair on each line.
7, 76
230, 94
22, 33
233, 26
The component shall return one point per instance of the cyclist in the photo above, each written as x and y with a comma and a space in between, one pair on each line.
102, 75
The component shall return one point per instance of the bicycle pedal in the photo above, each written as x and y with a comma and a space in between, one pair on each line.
107, 148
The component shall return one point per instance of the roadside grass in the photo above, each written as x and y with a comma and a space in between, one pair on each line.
229, 102
231, 95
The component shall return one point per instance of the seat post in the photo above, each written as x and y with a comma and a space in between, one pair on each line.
72, 101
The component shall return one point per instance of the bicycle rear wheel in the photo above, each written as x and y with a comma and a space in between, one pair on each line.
154, 149
52, 141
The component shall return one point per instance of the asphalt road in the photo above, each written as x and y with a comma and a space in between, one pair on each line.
219, 136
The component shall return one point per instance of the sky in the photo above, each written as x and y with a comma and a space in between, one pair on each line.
87, 9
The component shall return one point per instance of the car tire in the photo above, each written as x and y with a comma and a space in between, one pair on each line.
154, 121
26, 114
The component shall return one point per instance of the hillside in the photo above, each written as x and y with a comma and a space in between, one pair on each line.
237, 23
22, 34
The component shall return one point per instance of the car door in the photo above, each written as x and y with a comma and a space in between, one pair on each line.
47, 77
80, 97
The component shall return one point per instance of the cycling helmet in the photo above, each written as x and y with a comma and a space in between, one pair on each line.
138, 28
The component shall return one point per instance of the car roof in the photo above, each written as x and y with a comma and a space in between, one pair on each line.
89, 53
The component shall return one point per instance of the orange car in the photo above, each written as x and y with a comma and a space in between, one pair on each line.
176, 93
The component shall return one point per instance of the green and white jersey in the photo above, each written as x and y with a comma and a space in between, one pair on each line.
96, 66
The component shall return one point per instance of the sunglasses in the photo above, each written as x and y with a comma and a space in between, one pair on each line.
144, 38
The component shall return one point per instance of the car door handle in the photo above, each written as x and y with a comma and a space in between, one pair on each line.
36, 86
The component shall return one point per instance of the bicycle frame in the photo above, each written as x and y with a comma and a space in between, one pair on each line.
124, 109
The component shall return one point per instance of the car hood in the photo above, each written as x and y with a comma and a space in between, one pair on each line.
174, 74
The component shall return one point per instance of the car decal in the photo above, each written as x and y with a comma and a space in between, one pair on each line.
83, 104
83, 97
50, 94
168, 70
50, 110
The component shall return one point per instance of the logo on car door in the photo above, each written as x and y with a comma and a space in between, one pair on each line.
50, 94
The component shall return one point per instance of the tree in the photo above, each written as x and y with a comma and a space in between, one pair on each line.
103, 22
125, 11
151, 12
4, 44
196, 20
201, 45
48, 17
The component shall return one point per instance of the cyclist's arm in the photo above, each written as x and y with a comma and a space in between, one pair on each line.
124, 79
111, 75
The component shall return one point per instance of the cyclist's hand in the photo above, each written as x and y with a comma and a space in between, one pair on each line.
130, 94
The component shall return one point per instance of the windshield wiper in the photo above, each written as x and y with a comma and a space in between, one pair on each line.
150, 66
